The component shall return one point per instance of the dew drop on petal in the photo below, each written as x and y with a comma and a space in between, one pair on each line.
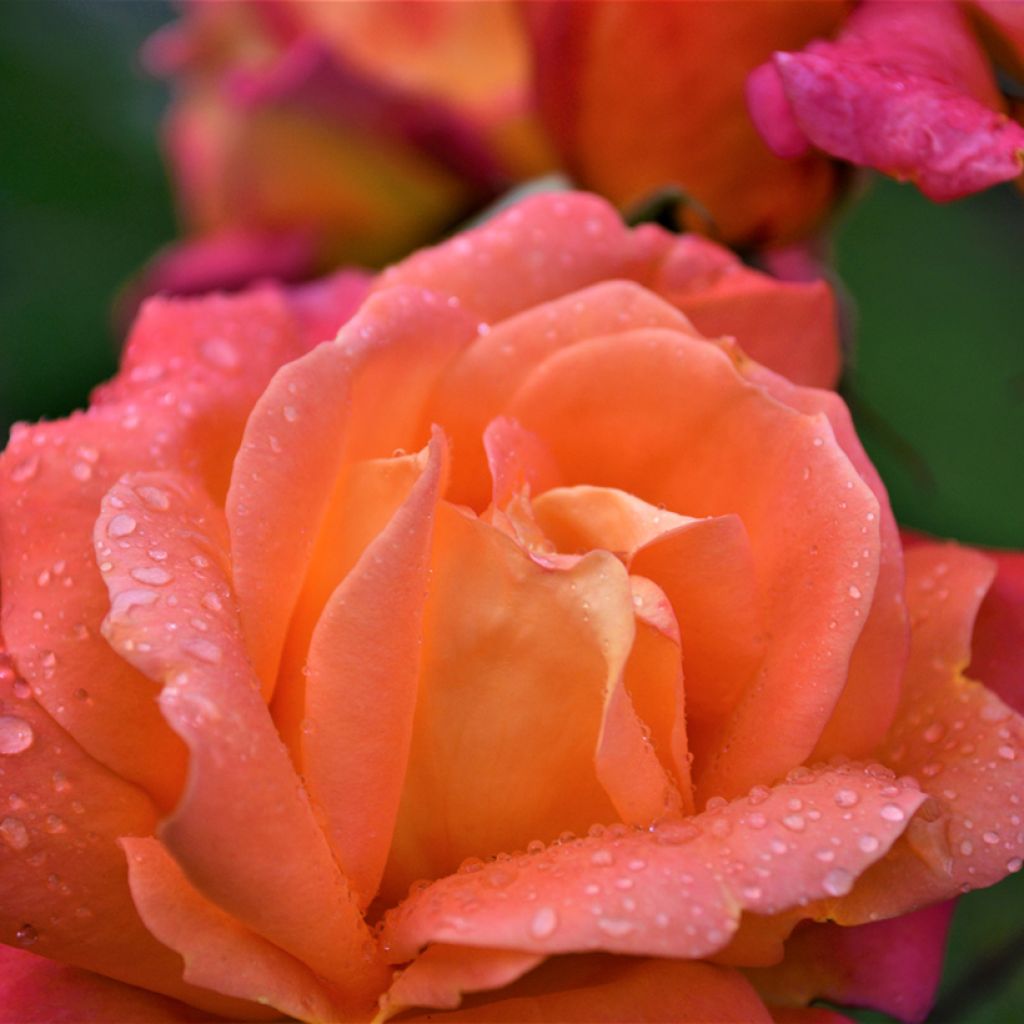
16, 734
868, 843
14, 833
26, 935
892, 812
838, 882
846, 797
544, 923
121, 525
152, 575
615, 926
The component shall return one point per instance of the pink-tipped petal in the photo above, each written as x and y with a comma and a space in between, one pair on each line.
772, 115
610, 990
892, 966
906, 89
318, 413
997, 647
219, 953
263, 860
517, 460
676, 890
34, 990
362, 672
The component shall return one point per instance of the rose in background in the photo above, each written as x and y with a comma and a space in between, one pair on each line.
305, 136
306, 636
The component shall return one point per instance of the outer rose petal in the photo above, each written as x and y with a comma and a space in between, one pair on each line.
193, 645
220, 953
318, 413
962, 742
588, 990
34, 989
63, 885
906, 90
892, 966
677, 890
684, 122
614, 411
362, 673
997, 647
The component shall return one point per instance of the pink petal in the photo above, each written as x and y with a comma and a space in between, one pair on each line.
892, 966
676, 890
363, 668
517, 459
319, 413
618, 411
907, 90
262, 859
220, 953
64, 889
997, 647
595, 989
34, 990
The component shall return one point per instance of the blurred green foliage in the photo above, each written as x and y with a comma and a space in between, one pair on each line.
937, 382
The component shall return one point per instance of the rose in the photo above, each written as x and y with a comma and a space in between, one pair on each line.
906, 88
304, 136
278, 660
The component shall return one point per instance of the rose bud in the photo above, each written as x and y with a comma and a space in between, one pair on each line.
504, 638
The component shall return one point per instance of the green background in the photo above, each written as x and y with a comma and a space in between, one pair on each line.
937, 383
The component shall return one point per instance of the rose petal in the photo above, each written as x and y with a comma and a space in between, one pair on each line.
592, 989
677, 890
619, 410
63, 885
442, 974
509, 264
318, 413
513, 700
892, 966
220, 953
790, 326
517, 459
961, 741
907, 90
34, 989
997, 647
272, 870
363, 668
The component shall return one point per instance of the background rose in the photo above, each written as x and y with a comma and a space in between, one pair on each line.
792, 597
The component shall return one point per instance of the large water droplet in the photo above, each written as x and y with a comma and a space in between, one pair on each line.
14, 833
838, 882
121, 525
602, 858
16, 734
26, 935
219, 352
544, 923
846, 797
154, 497
616, 927
204, 650
152, 575
892, 812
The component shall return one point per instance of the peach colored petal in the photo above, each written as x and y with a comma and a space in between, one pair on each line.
219, 953
660, 415
676, 890
63, 885
542, 248
594, 989
960, 740
191, 373
318, 413
478, 385
519, 661
363, 669
442, 974
517, 459
262, 860
868, 702
788, 326
34, 990
905, 89
891, 966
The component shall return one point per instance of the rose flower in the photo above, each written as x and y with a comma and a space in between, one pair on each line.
304, 136
520, 644
906, 88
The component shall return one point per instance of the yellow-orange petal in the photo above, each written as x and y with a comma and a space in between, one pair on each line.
220, 953
263, 860
619, 412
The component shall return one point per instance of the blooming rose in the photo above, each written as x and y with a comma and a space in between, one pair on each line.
303, 136
905, 88
518, 626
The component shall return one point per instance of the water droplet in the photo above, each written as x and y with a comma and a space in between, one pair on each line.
290, 413
990, 837
967, 847
14, 832
544, 923
756, 820
602, 858
751, 893
838, 882
1007, 753
81, 471
152, 575
616, 927
892, 812
155, 497
121, 525
204, 650
854, 592
868, 843
25, 470
846, 797
16, 734
211, 602
55, 824
1014, 865
794, 822
219, 352
21, 689
26, 935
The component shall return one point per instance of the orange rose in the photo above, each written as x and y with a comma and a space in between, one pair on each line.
307, 643
303, 136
